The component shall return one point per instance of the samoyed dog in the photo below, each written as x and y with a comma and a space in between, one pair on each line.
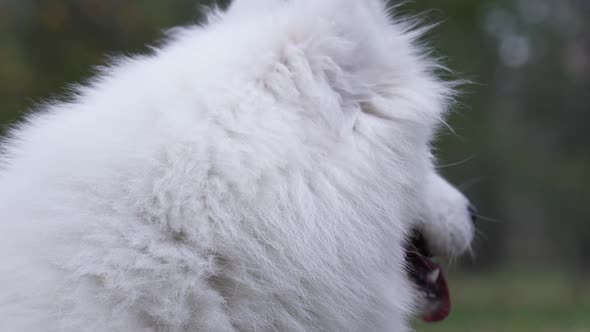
269, 170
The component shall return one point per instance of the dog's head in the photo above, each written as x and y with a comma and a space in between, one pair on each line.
361, 74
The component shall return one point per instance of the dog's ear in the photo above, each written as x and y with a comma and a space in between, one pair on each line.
237, 6
244, 6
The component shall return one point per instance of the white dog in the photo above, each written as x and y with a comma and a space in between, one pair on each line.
270, 170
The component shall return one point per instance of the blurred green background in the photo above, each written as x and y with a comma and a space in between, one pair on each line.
520, 150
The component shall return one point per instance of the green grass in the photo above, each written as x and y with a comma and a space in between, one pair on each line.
531, 302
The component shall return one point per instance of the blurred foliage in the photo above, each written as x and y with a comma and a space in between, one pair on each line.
520, 145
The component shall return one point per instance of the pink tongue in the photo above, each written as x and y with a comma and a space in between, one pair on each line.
439, 307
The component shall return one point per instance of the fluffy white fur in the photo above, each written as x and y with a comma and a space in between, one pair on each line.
260, 172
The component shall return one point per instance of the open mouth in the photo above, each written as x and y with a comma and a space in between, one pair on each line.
429, 279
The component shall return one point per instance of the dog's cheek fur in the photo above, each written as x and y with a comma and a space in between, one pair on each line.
266, 179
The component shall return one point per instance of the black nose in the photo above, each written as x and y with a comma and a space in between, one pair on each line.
473, 212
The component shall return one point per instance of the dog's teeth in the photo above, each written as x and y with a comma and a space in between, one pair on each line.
432, 277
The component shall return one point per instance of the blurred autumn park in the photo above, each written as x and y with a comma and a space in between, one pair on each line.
520, 145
